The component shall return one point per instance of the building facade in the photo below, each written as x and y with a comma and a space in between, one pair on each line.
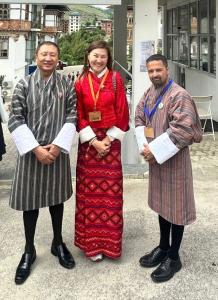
74, 21
106, 26
190, 39
22, 28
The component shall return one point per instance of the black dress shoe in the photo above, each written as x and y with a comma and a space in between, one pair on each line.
64, 255
24, 267
152, 259
166, 270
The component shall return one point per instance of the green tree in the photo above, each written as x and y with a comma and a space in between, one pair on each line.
73, 45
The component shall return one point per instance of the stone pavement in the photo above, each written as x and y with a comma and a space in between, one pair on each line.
207, 148
7, 165
123, 279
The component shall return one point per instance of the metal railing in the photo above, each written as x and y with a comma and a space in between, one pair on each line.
115, 62
128, 86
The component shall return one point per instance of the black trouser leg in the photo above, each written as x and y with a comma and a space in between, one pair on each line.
56, 212
165, 227
30, 219
177, 234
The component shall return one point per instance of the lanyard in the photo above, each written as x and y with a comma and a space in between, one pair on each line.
159, 99
95, 97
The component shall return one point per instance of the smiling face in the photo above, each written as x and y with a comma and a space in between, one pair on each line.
158, 73
47, 59
98, 59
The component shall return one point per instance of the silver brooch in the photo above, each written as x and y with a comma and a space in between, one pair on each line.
160, 106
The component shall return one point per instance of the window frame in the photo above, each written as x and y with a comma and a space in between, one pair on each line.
2, 40
210, 35
4, 8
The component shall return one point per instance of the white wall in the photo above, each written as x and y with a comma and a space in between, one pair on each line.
198, 83
49, 38
19, 49
145, 29
201, 84
15, 11
14, 66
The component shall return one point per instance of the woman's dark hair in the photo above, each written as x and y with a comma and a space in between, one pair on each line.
49, 44
158, 57
96, 45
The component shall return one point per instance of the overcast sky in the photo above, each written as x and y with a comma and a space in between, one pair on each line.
101, 6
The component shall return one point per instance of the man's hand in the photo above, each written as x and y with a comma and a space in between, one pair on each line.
43, 155
148, 156
53, 149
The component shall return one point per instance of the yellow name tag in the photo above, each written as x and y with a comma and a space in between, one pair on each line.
149, 132
94, 116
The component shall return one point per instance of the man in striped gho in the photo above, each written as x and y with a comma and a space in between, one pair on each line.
42, 123
166, 123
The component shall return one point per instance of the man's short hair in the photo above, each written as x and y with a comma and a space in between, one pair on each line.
49, 43
158, 57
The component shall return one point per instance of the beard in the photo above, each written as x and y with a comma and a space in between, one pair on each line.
157, 82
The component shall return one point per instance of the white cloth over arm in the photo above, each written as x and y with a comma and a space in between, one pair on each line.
140, 137
24, 139
163, 148
65, 137
115, 133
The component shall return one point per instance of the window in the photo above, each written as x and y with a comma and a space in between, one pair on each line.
4, 11
183, 48
27, 12
213, 16
191, 35
169, 21
175, 20
183, 18
193, 18
175, 48
36, 16
194, 52
4, 46
204, 53
30, 47
169, 47
203, 12
213, 55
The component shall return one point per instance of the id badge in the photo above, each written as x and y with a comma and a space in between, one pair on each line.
94, 116
149, 132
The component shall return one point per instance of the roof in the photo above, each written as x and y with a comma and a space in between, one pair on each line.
57, 7
74, 13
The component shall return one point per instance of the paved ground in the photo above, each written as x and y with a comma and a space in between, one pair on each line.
7, 165
123, 279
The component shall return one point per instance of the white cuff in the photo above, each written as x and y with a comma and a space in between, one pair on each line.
116, 133
163, 148
65, 137
86, 134
24, 139
140, 137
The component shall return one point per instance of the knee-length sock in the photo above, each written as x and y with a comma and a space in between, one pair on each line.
165, 227
176, 237
56, 212
29, 220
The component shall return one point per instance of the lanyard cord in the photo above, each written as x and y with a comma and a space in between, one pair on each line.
159, 99
95, 97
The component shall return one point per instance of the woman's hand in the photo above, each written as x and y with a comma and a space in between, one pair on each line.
102, 147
